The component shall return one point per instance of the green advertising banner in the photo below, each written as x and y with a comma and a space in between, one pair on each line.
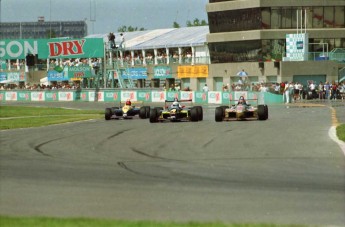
200, 97
162, 72
51, 95
71, 48
112, 96
78, 72
144, 96
52, 48
2, 95
23, 96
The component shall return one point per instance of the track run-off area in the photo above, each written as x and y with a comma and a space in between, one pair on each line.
284, 170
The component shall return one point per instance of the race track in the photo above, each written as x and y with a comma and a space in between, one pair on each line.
285, 170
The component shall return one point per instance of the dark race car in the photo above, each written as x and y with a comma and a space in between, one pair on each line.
176, 112
127, 111
241, 110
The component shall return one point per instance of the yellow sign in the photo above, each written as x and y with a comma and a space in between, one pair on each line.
192, 71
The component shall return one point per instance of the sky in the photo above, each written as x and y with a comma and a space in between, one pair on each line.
108, 15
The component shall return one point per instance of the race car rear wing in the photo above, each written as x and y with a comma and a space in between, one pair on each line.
180, 100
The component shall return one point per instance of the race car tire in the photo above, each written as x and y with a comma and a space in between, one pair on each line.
261, 112
194, 114
218, 114
147, 111
142, 112
153, 115
200, 113
159, 109
266, 112
107, 114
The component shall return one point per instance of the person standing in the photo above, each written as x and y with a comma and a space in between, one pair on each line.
205, 88
122, 45
111, 38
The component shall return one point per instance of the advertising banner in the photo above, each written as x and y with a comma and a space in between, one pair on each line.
112, 96
144, 96
170, 95
96, 96
132, 95
158, 96
23, 96
53, 75
52, 48
78, 72
16, 76
134, 73
17, 49
11, 96
51, 95
185, 95
3, 76
65, 96
192, 71
84, 96
200, 97
2, 96
162, 72
71, 48
215, 97
37, 96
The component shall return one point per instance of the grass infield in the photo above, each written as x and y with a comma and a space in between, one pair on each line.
12, 117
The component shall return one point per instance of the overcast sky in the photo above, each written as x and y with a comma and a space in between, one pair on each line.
109, 15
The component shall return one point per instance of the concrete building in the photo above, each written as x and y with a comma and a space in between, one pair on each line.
252, 35
43, 29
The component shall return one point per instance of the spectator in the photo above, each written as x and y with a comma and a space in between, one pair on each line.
122, 45
205, 88
111, 38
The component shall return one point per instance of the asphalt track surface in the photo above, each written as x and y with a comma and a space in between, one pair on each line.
285, 170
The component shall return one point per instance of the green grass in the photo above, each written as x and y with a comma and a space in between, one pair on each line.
341, 132
85, 222
24, 117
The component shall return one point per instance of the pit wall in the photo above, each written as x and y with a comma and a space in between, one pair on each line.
211, 97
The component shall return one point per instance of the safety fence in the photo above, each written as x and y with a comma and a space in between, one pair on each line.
211, 97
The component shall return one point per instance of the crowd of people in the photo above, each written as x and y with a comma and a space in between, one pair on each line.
294, 91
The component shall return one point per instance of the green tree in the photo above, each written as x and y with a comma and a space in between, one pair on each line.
196, 22
176, 25
124, 28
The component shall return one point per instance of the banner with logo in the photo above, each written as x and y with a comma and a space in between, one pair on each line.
200, 97
162, 72
78, 72
134, 73
52, 48
112, 96
23, 96
186, 95
171, 95
158, 96
192, 71
51, 95
3, 76
53, 75
215, 97
125, 95
15, 76
144, 96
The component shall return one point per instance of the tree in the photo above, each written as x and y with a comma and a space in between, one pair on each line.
196, 22
176, 25
124, 28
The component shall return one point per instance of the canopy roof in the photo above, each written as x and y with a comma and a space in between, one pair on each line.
160, 38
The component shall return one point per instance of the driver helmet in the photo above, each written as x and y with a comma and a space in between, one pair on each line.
128, 103
241, 100
175, 104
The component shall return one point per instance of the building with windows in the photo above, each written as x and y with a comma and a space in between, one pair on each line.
253, 35
43, 29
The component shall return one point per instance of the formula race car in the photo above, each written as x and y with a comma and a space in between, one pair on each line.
176, 112
241, 110
127, 111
